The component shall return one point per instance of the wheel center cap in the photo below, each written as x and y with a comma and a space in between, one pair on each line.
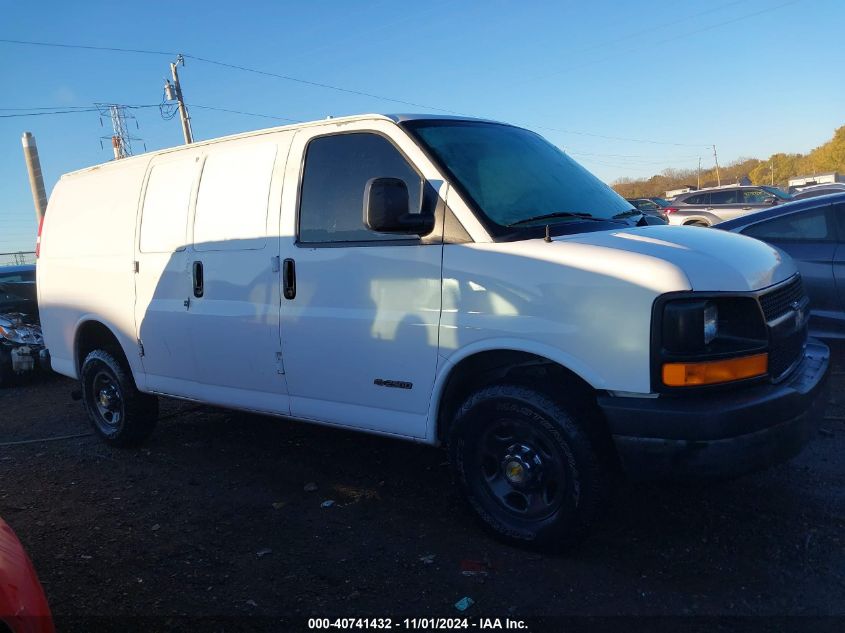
106, 398
521, 465
515, 472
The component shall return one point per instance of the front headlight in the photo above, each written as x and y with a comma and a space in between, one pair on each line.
9, 334
23, 335
689, 325
704, 340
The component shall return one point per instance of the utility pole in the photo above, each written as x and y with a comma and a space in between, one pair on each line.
716, 158
772, 167
699, 173
36, 179
173, 92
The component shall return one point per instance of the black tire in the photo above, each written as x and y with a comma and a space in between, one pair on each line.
120, 414
527, 466
697, 223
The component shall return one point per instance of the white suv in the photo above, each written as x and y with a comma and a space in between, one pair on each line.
442, 280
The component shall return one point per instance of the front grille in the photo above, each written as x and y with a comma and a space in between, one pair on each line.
784, 352
786, 340
778, 302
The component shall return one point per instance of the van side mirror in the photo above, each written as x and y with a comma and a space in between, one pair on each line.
387, 209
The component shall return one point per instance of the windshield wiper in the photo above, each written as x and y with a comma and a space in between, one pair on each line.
557, 214
627, 214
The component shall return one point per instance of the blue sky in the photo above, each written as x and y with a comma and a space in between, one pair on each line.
751, 76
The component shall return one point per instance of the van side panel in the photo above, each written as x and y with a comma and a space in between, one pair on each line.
86, 267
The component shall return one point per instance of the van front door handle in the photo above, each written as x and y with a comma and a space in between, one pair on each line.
289, 278
199, 281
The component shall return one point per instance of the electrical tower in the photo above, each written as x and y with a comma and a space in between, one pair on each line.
121, 139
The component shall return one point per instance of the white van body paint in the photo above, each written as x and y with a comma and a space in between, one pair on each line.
397, 312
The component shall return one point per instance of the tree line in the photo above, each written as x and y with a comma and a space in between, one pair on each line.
777, 169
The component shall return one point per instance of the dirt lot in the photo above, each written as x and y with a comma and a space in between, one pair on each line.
215, 517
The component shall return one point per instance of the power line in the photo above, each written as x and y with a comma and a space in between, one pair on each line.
429, 107
634, 158
570, 151
639, 33
265, 116
652, 45
317, 84
628, 167
43, 108
73, 109
91, 48
77, 109
10, 116
336, 88
232, 66
616, 138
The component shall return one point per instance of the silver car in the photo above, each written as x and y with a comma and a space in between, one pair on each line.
706, 207
818, 190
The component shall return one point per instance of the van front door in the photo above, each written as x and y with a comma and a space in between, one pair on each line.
162, 277
361, 310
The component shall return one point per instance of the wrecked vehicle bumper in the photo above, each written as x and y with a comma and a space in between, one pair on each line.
21, 346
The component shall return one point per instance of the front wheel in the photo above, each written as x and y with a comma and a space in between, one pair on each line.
121, 415
526, 466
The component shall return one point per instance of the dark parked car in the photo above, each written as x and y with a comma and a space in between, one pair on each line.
819, 190
706, 207
20, 333
812, 231
652, 206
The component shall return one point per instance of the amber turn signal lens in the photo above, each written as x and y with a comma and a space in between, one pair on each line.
714, 371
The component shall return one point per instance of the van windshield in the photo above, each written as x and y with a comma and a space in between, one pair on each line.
513, 175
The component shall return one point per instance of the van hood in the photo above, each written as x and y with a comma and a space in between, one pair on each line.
712, 260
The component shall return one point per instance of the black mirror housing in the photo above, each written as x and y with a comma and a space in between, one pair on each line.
387, 209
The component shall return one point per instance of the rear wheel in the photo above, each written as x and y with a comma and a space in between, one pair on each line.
696, 223
121, 415
527, 466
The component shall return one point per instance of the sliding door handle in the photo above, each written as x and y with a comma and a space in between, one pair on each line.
289, 278
199, 281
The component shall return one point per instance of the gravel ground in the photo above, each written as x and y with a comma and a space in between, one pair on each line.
221, 515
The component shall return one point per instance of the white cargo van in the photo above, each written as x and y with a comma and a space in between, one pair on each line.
449, 281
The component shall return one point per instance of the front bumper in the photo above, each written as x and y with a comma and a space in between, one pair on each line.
17, 359
720, 434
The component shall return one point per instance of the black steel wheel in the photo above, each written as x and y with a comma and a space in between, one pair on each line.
526, 466
520, 467
121, 415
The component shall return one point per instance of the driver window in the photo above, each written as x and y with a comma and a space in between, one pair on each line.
336, 172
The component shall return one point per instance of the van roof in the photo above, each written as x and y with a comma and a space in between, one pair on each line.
396, 118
